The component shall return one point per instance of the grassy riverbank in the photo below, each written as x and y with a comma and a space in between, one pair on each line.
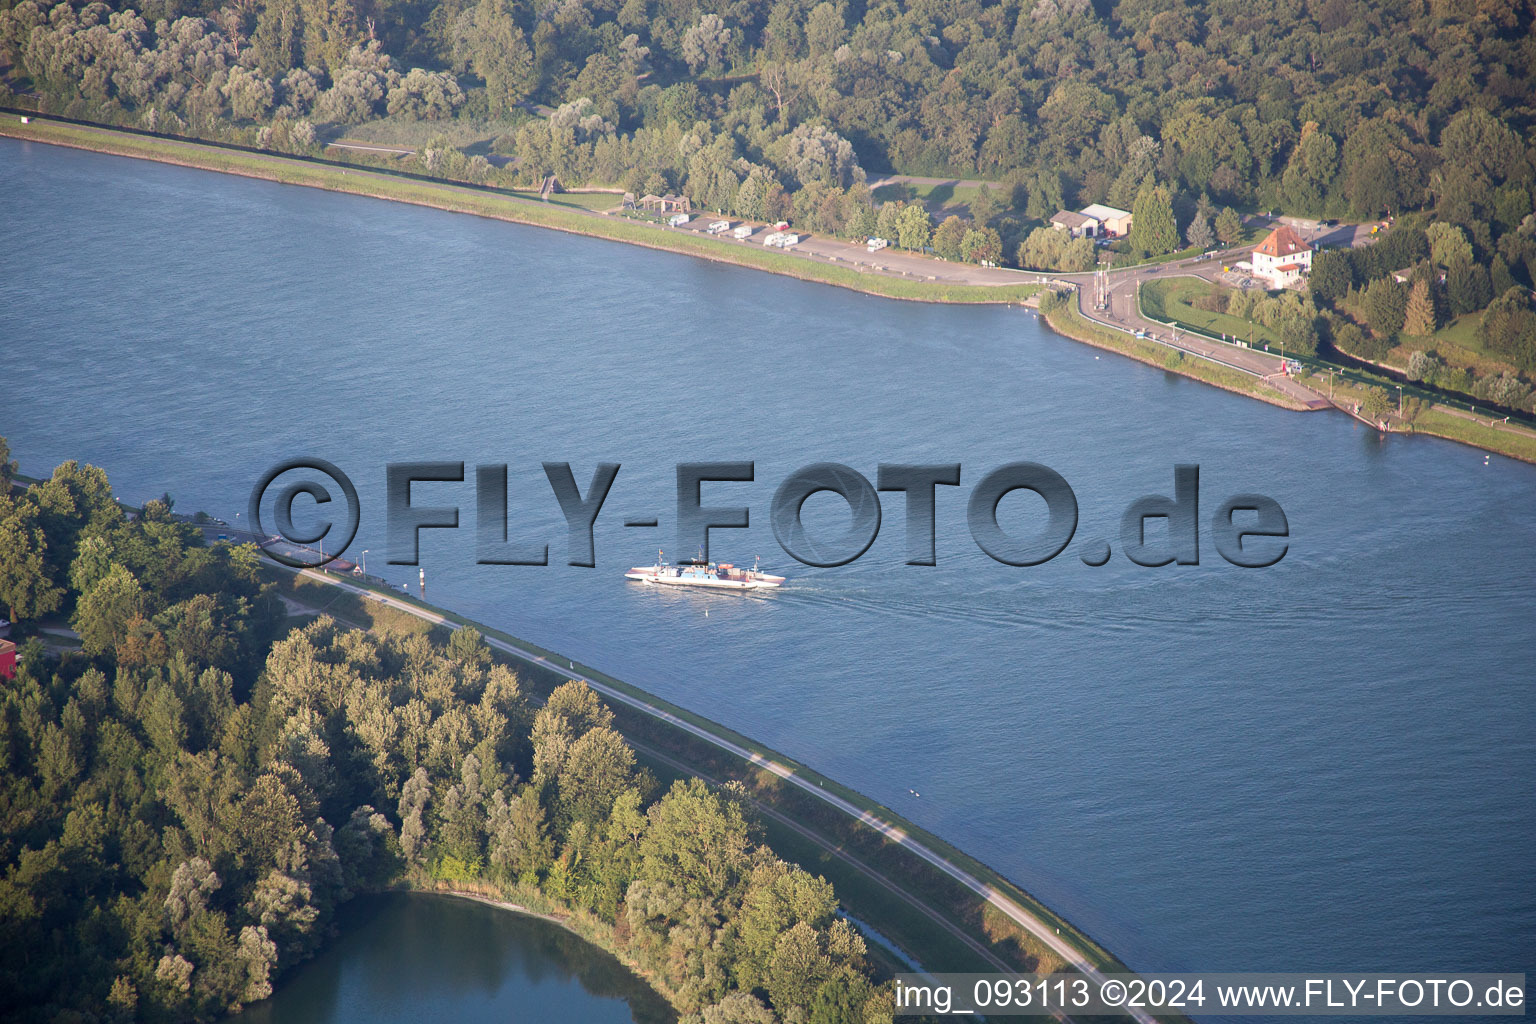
1437, 421
1068, 320
443, 195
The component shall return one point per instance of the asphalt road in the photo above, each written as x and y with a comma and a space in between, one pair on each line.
1122, 314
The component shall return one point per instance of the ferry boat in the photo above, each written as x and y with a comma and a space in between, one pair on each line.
697, 573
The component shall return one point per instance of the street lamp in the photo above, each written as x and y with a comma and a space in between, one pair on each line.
365, 561
1399, 399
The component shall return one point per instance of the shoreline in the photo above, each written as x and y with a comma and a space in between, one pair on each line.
597, 934
452, 197
1069, 323
495, 204
872, 831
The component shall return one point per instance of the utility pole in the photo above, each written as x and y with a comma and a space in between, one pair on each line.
1399, 399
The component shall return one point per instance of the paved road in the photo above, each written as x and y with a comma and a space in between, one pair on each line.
1123, 315
887, 262
910, 179
1019, 915
369, 148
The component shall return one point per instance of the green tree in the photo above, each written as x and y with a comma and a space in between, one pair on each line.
1229, 226
1386, 306
696, 841
1044, 191
27, 587
1199, 233
947, 239
981, 245
1419, 319
912, 227
8, 466
1508, 327
797, 968
1467, 287
1376, 405
1298, 335
1080, 255
704, 44
1309, 174
888, 221
985, 206
1043, 249
105, 612
599, 767
1331, 277
739, 1007
75, 501
1500, 281
498, 51
1153, 229
330, 30
1423, 366
825, 29
517, 835
1448, 244
279, 32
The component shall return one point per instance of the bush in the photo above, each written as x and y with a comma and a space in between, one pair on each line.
1051, 301
1424, 366
1508, 327
1386, 306
1350, 339
1298, 335
1211, 302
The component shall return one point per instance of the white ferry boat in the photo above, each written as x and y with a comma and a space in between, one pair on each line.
721, 576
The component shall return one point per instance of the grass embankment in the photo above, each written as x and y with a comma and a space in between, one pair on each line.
865, 898
457, 198
1457, 345
1173, 299
1436, 421
1439, 423
1068, 320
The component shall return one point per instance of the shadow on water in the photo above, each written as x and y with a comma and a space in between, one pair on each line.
421, 957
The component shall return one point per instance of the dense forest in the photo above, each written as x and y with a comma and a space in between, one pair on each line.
186, 798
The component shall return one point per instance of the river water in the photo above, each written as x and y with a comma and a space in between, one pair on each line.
409, 957
1326, 764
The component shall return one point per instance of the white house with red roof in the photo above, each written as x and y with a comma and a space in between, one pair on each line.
1282, 259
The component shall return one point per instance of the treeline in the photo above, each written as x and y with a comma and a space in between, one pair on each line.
1355, 108
1330, 105
1417, 279
184, 802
